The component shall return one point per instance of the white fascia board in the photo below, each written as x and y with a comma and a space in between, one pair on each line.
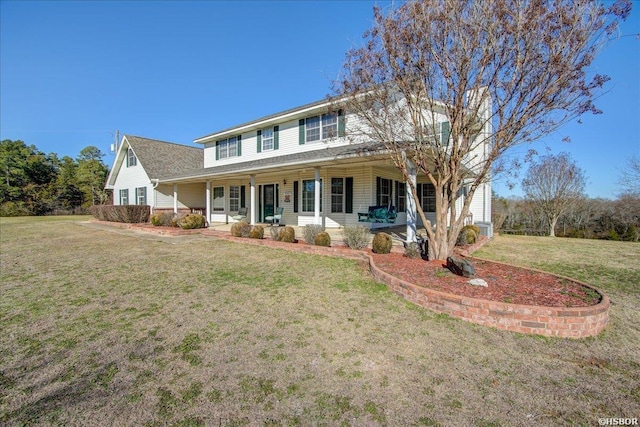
117, 164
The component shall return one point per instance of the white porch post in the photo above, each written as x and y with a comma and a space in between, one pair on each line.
316, 197
252, 201
412, 212
208, 202
175, 199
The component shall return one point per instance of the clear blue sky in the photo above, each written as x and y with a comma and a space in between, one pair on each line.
72, 73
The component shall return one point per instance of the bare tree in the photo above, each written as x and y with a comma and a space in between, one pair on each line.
629, 178
554, 184
497, 73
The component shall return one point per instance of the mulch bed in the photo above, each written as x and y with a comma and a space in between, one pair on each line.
507, 283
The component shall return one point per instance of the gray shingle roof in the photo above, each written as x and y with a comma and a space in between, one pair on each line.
161, 158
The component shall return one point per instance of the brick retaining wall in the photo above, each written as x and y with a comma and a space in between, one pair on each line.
564, 322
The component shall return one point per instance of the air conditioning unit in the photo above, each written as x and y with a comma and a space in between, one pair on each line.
486, 229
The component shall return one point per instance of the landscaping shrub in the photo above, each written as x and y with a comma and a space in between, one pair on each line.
286, 234
322, 239
131, 214
236, 228
382, 243
257, 232
310, 231
164, 219
412, 250
192, 221
356, 236
468, 235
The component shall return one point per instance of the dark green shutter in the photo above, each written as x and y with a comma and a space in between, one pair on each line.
419, 190
217, 150
445, 132
341, 123
301, 131
259, 141
378, 188
145, 195
239, 145
276, 137
243, 200
295, 196
277, 195
348, 195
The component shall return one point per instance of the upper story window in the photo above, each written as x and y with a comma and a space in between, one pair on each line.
131, 158
229, 147
329, 126
321, 127
267, 139
442, 132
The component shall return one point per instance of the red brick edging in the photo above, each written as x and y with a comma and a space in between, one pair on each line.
564, 322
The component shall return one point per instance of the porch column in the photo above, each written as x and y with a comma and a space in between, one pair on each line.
252, 201
316, 197
412, 213
208, 202
175, 199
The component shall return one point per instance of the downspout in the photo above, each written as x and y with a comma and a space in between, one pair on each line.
155, 185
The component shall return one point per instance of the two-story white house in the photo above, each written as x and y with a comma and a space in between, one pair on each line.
301, 160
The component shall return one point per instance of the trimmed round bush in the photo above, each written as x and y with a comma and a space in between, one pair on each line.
382, 243
236, 228
257, 232
468, 235
192, 221
286, 234
157, 219
322, 239
310, 231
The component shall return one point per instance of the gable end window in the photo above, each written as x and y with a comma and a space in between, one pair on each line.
131, 158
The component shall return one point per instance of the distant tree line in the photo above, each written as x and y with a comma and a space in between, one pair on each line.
617, 219
35, 183
554, 203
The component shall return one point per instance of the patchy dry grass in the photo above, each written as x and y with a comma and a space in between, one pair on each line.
112, 327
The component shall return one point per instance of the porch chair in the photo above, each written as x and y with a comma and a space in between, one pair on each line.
273, 219
242, 214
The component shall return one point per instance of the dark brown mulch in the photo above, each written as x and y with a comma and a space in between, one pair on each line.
507, 283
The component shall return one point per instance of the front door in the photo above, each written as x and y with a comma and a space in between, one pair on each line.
269, 200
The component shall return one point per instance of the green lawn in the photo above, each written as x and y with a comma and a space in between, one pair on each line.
113, 327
